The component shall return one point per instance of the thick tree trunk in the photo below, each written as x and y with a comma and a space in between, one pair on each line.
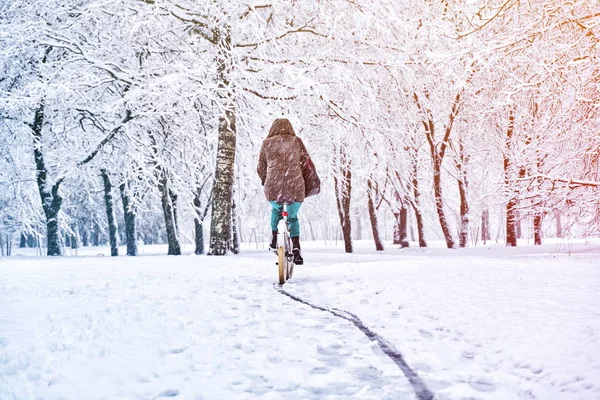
199, 236
437, 151
167, 206
85, 234
129, 216
220, 227
400, 221
439, 201
199, 219
537, 229
343, 192
31, 241
23, 241
403, 226
51, 200
373, 217
95, 235
511, 232
110, 213
174, 198
511, 220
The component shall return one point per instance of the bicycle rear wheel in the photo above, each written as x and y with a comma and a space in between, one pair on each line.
289, 264
281, 263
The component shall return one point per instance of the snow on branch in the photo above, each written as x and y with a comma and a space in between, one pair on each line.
504, 7
572, 183
302, 29
267, 97
107, 139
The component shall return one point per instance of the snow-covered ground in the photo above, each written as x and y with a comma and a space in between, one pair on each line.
482, 323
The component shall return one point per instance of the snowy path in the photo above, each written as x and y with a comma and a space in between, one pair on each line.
164, 327
471, 326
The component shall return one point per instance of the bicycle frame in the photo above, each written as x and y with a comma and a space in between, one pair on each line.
284, 251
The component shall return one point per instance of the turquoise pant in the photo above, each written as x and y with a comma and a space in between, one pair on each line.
292, 217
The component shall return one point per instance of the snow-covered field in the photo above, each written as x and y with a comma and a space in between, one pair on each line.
482, 323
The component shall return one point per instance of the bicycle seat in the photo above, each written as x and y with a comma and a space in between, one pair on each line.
285, 200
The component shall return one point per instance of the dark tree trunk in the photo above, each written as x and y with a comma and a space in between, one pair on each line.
437, 151
31, 241
110, 213
74, 242
485, 226
343, 192
129, 216
511, 232
174, 198
511, 220
439, 201
199, 218
51, 200
220, 227
396, 234
199, 235
23, 241
403, 226
373, 217
235, 241
7, 248
167, 206
85, 237
95, 235
464, 215
537, 229
400, 221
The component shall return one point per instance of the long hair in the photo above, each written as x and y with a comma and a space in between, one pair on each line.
281, 126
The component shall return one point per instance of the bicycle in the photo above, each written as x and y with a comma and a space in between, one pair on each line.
285, 256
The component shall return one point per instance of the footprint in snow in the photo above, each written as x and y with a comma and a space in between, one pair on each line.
483, 385
175, 350
366, 373
334, 356
169, 393
425, 333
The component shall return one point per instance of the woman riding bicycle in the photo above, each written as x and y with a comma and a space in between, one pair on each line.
280, 168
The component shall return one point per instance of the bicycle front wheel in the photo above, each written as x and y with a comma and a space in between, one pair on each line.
281, 261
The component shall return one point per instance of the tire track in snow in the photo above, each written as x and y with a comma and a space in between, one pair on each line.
421, 390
